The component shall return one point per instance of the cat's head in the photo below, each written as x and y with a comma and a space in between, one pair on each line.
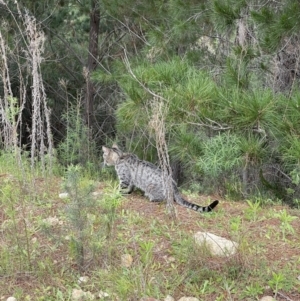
111, 155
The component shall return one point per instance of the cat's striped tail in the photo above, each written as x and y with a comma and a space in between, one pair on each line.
181, 201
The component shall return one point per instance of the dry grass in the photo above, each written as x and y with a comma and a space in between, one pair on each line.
165, 259
11, 106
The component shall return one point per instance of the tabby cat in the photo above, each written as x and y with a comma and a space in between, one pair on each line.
133, 172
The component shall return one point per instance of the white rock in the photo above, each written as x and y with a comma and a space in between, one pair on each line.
217, 245
11, 299
169, 298
80, 295
52, 221
77, 294
188, 299
63, 195
126, 260
267, 298
169, 259
96, 193
89, 296
83, 279
103, 295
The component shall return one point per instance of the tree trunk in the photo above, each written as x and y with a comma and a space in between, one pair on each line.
92, 61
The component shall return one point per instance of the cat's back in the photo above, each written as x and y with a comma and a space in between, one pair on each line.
143, 173
136, 164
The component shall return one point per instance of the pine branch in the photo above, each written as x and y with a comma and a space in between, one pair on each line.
127, 64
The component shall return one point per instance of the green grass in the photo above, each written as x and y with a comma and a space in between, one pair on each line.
40, 238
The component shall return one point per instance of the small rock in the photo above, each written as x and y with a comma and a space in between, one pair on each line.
83, 279
52, 221
63, 195
126, 260
89, 296
188, 299
11, 299
217, 245
77, 294
103, 295
96, 193
267, 298
169, 298
148, 299
80, 295
169, 259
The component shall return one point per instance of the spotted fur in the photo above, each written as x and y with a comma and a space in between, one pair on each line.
133, 172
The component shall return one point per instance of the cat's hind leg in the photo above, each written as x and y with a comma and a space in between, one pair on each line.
154, 198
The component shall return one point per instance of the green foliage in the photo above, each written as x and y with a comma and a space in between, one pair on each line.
109, 204
246, 54
220, 154
275, 25
278, 282
257, 108
81, 203
285, 226
77, 147
226, 12
182, 86
195, 106
291, 152
233, 187
17, 256
291, 122
253, 149
189, 53
186, 145
235, 224
86, 243
146, 250
265, 16
236, 73
254, 290
253, 210
129, 113
295, 175
166, 260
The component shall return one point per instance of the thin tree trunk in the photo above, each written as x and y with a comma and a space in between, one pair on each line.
92, 61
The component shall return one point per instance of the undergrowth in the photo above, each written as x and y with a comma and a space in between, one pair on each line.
49, 243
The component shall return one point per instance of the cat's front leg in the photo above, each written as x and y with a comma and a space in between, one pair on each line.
126, 188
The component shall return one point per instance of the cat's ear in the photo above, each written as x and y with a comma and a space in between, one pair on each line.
105, 149
115, 146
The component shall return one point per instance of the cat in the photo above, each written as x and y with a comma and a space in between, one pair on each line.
133, 172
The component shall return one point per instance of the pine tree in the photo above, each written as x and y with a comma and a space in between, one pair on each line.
226, 68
